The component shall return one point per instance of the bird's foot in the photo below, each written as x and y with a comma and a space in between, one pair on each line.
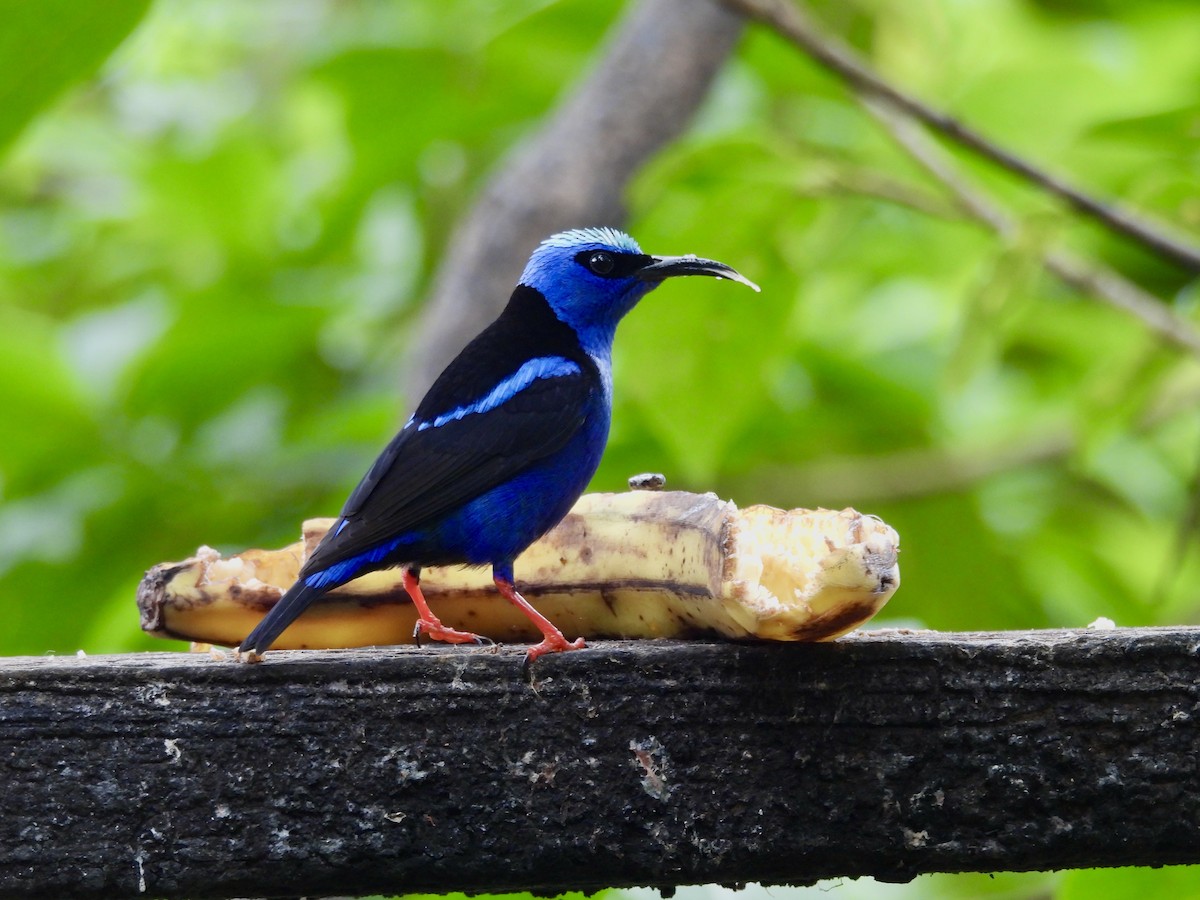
436, 631
554, 642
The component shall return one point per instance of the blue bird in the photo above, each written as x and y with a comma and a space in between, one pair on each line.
505, 441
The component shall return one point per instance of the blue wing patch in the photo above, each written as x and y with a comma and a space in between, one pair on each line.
531, 371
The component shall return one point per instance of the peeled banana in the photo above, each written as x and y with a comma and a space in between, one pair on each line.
643, 564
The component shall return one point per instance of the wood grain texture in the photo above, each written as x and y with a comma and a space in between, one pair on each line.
435, 769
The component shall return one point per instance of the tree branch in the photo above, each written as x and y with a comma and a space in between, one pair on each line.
654, 73
662, 763
826, 178
921, 471
1085, 277
790, 22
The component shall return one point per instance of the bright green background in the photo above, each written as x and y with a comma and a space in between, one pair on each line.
214, 242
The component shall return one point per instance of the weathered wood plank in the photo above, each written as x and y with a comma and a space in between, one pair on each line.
413, 769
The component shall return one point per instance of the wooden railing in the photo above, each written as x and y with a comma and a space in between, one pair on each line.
435, 769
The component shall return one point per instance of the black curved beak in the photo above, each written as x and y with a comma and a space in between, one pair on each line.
664, 267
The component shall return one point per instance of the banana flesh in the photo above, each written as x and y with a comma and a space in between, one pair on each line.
644, 564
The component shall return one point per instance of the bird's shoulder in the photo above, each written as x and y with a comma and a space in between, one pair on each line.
526, 342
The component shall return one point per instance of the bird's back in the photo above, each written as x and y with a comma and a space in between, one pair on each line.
497, 451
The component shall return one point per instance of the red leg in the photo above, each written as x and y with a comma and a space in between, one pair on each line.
552, 639
427, 622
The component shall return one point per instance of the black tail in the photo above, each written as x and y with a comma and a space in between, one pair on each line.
282, 614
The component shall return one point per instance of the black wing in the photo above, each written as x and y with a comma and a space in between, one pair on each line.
423, 474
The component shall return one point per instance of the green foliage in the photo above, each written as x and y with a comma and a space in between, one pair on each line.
50, 45
212, 253
1169, 883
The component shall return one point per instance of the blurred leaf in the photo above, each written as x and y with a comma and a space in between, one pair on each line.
1173, 129
1004, 295
48, 45
1168, 883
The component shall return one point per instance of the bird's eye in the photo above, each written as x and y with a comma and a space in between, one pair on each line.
600, 262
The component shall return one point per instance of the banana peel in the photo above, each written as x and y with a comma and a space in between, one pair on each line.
643, 564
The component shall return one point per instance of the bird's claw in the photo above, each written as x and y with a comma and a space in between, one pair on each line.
553, 643
439, 632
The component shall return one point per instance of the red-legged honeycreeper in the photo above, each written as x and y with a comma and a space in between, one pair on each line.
505, 441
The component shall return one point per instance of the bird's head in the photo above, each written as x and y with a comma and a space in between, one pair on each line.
591, 277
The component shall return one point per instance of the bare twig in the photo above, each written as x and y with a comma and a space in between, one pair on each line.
921, 471
840, 480
1121, 293
843, 180
1087, 277
788, 20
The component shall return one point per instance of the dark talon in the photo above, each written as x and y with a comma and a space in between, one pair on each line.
417, 633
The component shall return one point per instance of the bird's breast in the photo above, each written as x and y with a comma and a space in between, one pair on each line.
502, 522
604, 370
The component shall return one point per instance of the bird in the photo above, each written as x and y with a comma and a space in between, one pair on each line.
503, 443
